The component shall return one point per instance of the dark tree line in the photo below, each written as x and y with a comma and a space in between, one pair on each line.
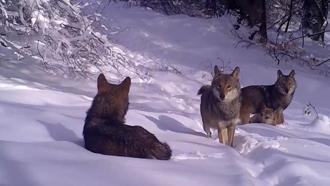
311, 15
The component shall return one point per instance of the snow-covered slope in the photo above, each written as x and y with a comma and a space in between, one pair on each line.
42, 115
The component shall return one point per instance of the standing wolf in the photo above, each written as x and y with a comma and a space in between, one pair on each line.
278, 95
220, 105
105, 131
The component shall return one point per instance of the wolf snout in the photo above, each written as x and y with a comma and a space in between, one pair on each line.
222, 96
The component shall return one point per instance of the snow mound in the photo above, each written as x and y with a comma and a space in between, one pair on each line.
320, 124
247, 142
197, 156
284, 172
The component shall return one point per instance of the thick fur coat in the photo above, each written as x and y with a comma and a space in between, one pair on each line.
105, 131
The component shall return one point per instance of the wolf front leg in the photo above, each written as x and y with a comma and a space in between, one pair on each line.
231, 134
223, 135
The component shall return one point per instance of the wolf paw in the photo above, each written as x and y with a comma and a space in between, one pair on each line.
209, 134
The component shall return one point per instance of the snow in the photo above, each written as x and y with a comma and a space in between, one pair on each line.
43, 114
320, 124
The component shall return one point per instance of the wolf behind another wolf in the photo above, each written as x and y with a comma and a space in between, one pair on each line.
220, 105
268, 116
105, 132
278, 95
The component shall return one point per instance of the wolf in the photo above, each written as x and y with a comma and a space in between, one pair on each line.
105, 131
278, 95
269, 116
220, 104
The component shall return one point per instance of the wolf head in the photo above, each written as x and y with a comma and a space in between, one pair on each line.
286, 84
269, 115
226, 87
111, 99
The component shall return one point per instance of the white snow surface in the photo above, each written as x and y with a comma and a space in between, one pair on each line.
42, 115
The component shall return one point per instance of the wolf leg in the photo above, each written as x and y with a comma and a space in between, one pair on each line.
231, 134
245, 118
207, 130
244, 115
223, 135
279, 116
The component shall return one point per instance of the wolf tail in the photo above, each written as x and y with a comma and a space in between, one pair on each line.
203, 89
161, 151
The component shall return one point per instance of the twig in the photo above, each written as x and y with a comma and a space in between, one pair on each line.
322, 62
314, 108
249, 43
290, 15
99, 39
309, 35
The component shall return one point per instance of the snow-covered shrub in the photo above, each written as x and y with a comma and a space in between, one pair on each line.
291, 40
56, 33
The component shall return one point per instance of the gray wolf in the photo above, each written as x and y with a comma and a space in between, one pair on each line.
220, 104
278, 95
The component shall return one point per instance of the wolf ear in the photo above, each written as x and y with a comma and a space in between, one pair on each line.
102, 83
292, 73
216, 70
279, 74
235, 72
126, 84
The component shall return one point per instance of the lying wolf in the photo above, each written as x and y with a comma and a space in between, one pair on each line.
105, 132
268, 116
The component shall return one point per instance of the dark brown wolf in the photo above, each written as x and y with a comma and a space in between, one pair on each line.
220, 105
105, 131
278, 95
269, 116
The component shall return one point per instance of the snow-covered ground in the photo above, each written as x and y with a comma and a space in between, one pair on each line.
42, 115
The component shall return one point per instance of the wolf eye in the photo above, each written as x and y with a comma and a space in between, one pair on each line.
228, 87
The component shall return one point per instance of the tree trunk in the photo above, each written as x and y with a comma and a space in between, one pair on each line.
211, 6
263, 25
